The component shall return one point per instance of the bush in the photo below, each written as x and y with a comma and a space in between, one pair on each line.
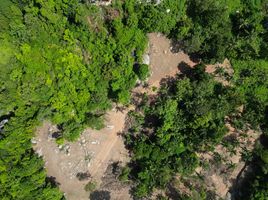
142, 71
124, 174
90, 186
60, 141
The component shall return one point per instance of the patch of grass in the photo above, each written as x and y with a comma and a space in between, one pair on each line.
60, 141
90, 186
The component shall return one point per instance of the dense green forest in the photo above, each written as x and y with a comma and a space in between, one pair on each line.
68, 60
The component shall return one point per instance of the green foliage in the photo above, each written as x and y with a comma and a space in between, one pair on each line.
58, 62
124, 174
215, 30
142, 71
155, 18
60, 141
76, 73
187, 117
252, 80
66, 61
90, 186
22, 174
258, 183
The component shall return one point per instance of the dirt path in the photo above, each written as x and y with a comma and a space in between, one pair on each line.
112, 142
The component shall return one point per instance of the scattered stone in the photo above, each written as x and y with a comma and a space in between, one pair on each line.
33, 141
110, 126
49, 137
39, 152
3, 122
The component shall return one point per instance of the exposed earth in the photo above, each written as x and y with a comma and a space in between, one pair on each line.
95, 151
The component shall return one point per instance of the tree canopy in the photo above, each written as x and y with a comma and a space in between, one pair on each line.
67, 61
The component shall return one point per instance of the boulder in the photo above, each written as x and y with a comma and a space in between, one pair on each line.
146, 59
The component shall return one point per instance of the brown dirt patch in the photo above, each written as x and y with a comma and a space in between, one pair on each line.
93, 152
163, 62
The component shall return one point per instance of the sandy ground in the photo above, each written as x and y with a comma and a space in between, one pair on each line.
96, 150
93, 152
162, 61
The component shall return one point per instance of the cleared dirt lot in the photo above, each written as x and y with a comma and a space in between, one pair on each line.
93, 152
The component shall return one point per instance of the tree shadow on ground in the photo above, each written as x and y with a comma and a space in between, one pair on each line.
82, 176
185, 69
179, 46
52, 181
100, 195
172, 193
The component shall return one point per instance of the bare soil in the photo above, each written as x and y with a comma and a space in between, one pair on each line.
92, 153
163, 62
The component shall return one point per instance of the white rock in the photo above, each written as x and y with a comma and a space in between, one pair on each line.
39, 152
168, 10
146, 59
33, 141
